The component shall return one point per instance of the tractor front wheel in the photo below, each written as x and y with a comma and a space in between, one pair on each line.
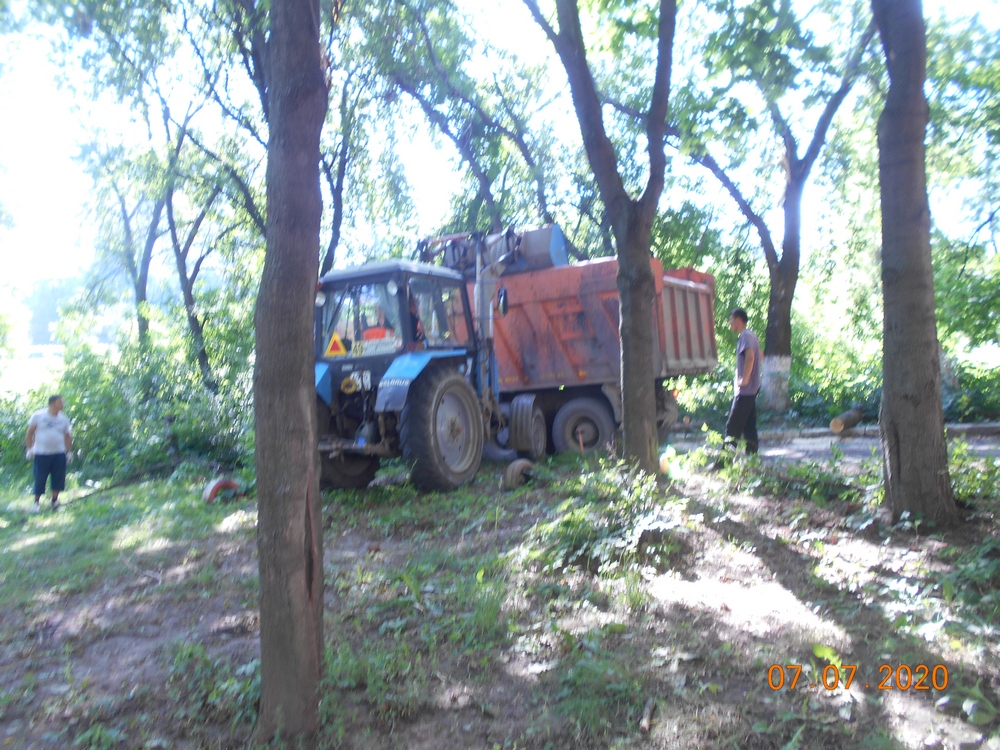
441, 430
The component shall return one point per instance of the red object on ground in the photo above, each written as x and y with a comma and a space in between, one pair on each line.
215, 486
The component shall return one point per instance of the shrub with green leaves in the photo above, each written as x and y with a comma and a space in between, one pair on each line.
974, 581
974, 478
209, 691
598, 692
14, 414
143, 407
614, 514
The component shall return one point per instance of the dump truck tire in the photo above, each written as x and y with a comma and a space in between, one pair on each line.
441, 430
539, 438
347, 472
527, 428
582, 418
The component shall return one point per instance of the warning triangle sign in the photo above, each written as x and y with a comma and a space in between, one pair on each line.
336, 347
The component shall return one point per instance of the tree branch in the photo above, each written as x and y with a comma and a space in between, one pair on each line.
571, 49
770, 255
248, 200
536, 13
462, 145
656, 123
846, 83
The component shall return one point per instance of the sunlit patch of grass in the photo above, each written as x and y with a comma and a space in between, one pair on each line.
67, 551
239, 521
30, 541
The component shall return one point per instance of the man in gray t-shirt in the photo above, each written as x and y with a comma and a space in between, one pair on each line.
742, 422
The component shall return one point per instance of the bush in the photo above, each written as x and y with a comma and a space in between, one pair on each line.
144, 407
14, 414
614, 515
973, 395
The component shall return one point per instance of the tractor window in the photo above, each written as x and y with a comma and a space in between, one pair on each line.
439, 309
362, 320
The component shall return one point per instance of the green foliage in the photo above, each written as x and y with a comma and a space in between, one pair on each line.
614, 514
973, 583
14, 414
685, 237
598, 693
830, 375
99, 737
762, 42
146, 407
210, 690
805, 481
973, 477
967, 293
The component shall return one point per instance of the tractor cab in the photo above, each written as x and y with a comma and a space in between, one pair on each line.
368, 315
378, 328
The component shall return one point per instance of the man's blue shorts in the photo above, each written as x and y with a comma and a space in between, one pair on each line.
54, 465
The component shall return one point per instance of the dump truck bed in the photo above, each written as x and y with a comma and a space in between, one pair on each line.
562, 326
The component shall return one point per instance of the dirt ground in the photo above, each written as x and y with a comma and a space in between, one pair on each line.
419, 656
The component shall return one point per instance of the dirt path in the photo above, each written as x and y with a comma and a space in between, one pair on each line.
854, 450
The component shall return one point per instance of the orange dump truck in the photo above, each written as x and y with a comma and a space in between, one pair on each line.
559, 340
559, 337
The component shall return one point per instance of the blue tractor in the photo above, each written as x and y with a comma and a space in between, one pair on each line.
405, 366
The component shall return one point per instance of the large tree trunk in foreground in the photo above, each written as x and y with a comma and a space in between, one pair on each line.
290, 524
914, 454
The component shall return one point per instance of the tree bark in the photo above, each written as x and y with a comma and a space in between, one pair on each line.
290, 527
631, 219
636, 292
784, 275
911, 422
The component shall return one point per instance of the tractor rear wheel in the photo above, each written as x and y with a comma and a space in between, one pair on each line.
347, 472
583, 421
441, 430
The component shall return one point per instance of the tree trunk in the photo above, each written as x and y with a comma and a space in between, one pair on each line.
784, 276
198, 341
846, 420
141, 279
636, 292
186, 280
631, 220
290, 524
911, 423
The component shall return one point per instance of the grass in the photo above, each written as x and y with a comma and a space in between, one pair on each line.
543, 617
99, 537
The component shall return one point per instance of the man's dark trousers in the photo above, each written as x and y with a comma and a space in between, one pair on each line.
742, 422
46, 465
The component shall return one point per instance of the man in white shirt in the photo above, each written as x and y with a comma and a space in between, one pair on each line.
49, 442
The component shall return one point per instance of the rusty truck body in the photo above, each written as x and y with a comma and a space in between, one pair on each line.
558, 337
